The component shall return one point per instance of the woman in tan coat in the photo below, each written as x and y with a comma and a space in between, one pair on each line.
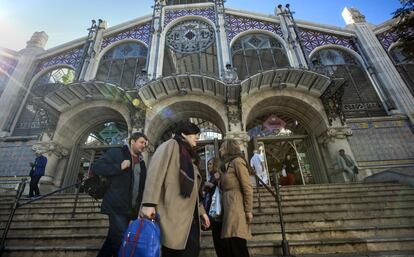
172, 189
237, 199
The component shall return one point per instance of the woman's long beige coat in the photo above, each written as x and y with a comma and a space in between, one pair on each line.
162, 188
237, 199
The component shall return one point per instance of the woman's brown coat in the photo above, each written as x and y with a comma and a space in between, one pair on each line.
162, 188
237, 199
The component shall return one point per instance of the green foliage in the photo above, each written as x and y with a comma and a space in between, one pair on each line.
405, 26
68, 77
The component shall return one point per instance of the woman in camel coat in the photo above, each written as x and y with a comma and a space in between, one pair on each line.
172, 189
237, 199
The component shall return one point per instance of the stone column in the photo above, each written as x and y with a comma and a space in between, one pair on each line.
18, 83
334, 139
154, 62
223, 48
294, 49
55, 154
383, 67
91, 62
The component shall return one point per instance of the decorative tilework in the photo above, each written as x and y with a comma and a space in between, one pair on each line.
71, 57
382, 140
15, 158
7, 65
207, 13
140, 32
236, 25
386, 38
312, 39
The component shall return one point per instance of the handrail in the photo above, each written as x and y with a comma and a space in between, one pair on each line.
17, 204
277, 196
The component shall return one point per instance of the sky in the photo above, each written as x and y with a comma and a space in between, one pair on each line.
64, 21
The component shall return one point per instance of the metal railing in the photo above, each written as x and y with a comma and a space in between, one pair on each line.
17, 204
278, 198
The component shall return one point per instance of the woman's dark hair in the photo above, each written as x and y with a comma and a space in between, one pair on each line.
186, 127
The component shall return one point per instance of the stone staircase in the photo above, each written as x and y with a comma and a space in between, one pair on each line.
321, 220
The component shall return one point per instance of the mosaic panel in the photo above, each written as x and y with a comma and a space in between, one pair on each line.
71, 58
140, 32
207, 13
7, 65
382, 140
312, 39
15, 158
236, 25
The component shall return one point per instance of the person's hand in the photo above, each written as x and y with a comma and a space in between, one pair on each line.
249, 217
147, 212
205, 221
125, 164
31, 164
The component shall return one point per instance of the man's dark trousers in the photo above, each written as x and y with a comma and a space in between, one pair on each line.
118, 223
34, 185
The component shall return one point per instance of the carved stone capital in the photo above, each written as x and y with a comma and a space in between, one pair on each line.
335, 133
138, 119
52, 148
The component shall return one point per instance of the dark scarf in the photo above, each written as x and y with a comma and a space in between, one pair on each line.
186, 177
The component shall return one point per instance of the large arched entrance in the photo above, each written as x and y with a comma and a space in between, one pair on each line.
160, 124
286, 124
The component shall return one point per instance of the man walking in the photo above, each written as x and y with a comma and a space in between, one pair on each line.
347, 165
37, 171
125, 170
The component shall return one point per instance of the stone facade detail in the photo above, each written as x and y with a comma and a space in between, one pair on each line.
335, 133
207, 13
71, 57
51, 148
7, 64
141, 32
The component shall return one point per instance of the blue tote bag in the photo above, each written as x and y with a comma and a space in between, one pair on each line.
142, 238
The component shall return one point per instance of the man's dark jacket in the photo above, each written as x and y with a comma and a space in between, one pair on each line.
118, 196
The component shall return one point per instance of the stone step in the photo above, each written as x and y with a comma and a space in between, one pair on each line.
264, 248
360, 254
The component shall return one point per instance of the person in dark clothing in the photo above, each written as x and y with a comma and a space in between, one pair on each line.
290, 167
37, 171
209, 189
125, 171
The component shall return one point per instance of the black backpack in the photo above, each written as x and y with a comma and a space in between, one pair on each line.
96, 185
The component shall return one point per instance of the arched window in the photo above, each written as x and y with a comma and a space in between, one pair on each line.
122, 64
190, 48
405, 66
254, 53
37, 117
360, 98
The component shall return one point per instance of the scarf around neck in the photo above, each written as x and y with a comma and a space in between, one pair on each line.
186, 176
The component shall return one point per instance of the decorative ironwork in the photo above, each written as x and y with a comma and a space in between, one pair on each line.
190, 36
207, 13
71, 58
312, 39
236, 25
7, 65
140, 32
332, 101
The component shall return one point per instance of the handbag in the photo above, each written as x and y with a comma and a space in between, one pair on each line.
215, 208
141, 239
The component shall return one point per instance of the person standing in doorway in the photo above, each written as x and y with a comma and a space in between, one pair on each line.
37, 171
173, 189
126, 172
258, 165
290, 167
347, 165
